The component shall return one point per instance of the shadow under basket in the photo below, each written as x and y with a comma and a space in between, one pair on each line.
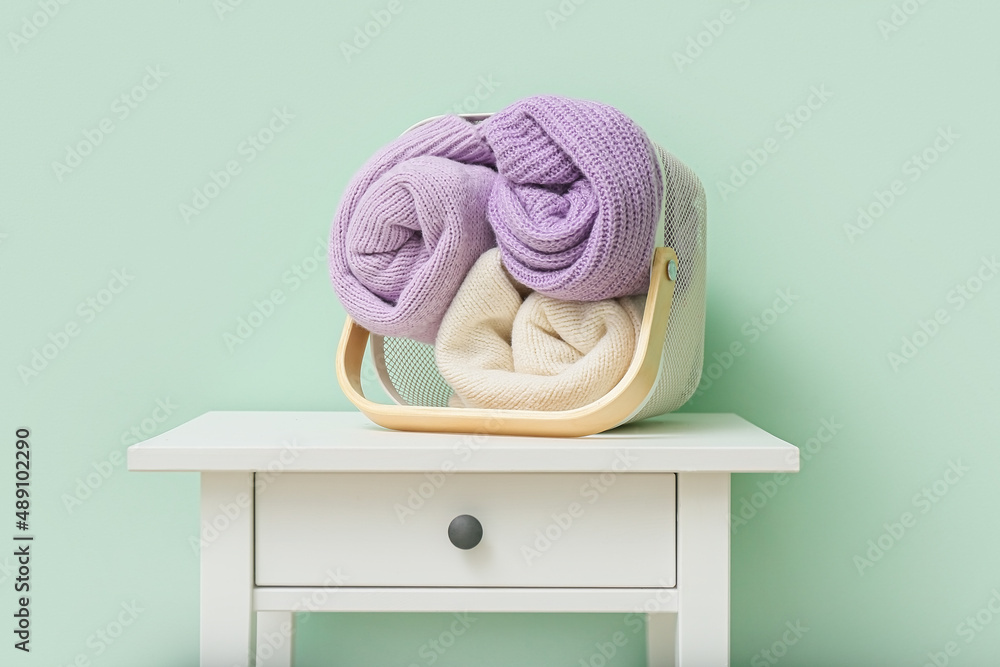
664, 372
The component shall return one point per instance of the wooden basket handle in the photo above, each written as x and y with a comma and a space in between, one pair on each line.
606, 412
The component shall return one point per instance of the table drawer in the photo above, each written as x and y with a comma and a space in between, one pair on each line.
539, 529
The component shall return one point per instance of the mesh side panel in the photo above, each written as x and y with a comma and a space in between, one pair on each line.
683, 346
413, 374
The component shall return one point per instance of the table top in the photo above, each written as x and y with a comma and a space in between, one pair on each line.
348, 441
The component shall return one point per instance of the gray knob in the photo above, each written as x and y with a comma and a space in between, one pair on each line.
465, 531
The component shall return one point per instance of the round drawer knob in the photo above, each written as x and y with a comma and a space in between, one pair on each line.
465, 531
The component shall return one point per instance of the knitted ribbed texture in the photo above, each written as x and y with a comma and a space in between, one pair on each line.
410, 225
501, 346
576, 207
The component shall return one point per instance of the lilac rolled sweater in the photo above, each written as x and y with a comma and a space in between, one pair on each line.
410, 225
577, 200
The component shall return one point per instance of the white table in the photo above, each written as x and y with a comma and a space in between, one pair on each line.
324, 511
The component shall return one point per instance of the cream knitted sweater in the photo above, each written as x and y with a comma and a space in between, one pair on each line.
501, 346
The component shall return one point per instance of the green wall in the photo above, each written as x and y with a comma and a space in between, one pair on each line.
883, 366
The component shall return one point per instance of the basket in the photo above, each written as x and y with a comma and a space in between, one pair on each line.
664, 372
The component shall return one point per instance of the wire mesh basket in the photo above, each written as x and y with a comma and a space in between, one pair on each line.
663, 374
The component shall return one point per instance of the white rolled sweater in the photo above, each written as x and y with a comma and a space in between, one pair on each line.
501, 346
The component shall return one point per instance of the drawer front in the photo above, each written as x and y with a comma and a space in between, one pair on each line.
539, 529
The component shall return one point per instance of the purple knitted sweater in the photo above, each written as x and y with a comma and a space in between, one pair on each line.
411, 224
578, 198
573, 208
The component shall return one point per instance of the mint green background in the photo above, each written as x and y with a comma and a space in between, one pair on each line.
162, 337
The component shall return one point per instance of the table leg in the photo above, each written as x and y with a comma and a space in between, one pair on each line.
660, 639
275, 631
226, 568
703, 569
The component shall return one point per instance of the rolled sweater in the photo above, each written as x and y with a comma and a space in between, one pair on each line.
502, 346
410, 225
578, 199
